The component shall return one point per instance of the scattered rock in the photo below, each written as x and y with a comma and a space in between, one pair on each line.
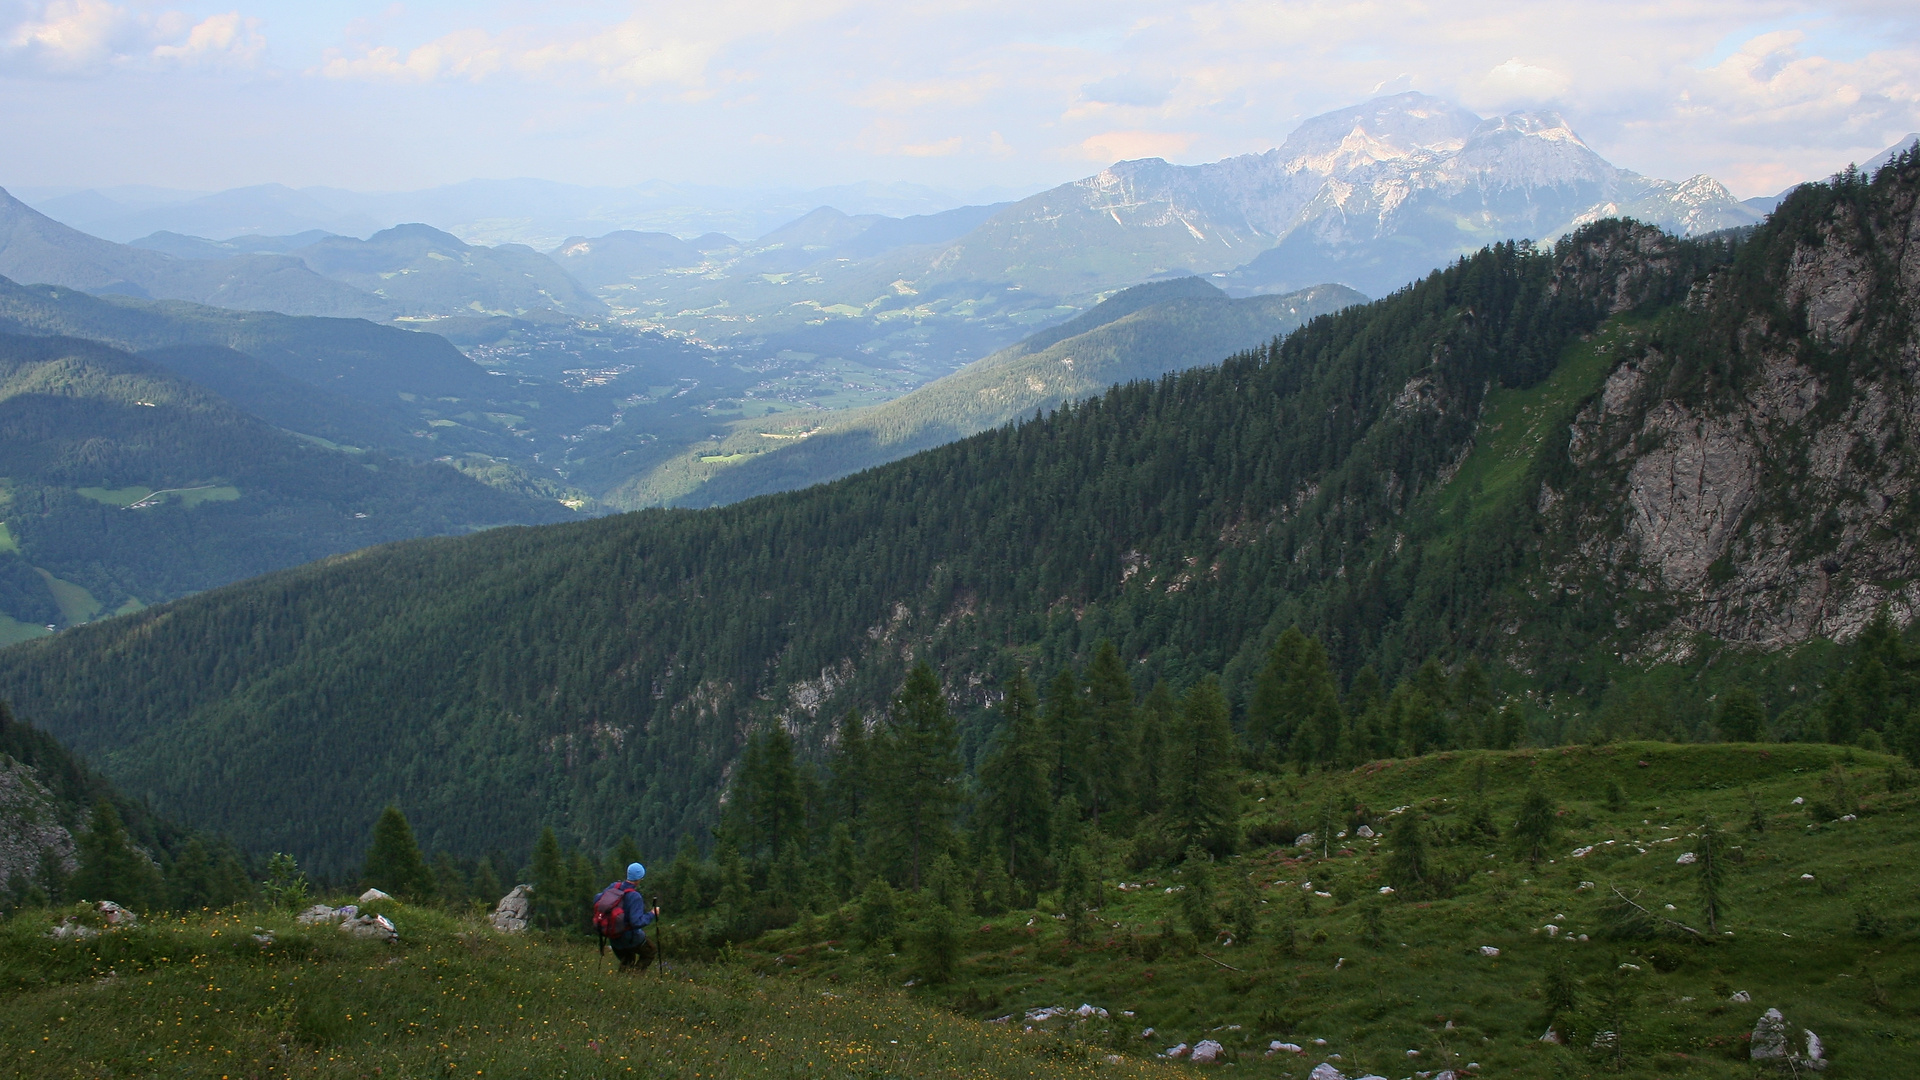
371, 895
1206, 1052
1086, 1010
1806, 877
1278, 1047
510, 916
1147, 1034
1687, 858
1849, 817
1386, 890
1177, 1051
1816, 1051
1740, 997
1114, 1059
318, 913
1326, 1071
1553, 1036
72, 929
115, 915
371, 926
1770, 1037
1364, 832
1488, 950
1552, 930
262, 936
1799, 800
1305, 839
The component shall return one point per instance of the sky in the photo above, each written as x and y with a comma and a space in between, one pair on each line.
961, 95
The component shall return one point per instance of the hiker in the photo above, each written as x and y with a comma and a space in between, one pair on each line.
619, 912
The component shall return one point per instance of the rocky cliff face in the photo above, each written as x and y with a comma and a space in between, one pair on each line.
32, 839
1749, 465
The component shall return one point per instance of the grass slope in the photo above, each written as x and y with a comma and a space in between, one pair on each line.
200, 997
1836, 952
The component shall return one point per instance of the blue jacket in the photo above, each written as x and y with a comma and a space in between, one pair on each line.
638, 916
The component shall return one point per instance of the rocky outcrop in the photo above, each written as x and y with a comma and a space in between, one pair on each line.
1752, 472
513, 911
32, 839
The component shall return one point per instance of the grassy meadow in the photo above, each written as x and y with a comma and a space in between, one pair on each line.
1306, 948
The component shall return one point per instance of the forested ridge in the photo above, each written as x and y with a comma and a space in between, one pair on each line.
608, 671
138, 486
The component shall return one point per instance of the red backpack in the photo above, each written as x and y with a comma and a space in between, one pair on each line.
610, 910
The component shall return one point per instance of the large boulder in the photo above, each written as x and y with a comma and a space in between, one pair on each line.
1206, 1052
510, 916
1770, 1037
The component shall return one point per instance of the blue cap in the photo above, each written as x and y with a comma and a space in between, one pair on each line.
635, 871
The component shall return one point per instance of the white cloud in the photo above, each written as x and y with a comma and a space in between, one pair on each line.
77, 37
1755, 92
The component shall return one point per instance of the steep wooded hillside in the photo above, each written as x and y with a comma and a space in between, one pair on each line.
1392, 478
561, 673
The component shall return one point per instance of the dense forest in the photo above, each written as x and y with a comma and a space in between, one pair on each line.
610, 671
127, 485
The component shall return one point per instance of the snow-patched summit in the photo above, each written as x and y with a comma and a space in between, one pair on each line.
1369, 196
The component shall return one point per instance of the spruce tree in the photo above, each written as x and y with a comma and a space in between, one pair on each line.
190, 878
1273, 717
487, 890
1196, 898
876, 921
1740, 718
111, 868
1407, 863
1158, 715
450, 882
625, 853
1063, 723
394, 864
1014, 808
1110, 733
843, 861
936, 943
550, 880
1202, 803
917, 769
850, 767
1710, 862
1537, 825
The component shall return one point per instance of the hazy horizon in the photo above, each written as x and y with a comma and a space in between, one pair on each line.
384, 97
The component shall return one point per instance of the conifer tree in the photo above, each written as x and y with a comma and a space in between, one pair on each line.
487, 889
111, 868
877, 919
625, 853
936, 943
394, 864
449, 882
1740, 717
1202, 805
851, 765
1063, 722
917, 766
843, 861
1110, 733
1273, 716
583, 884
765, 809
1158, 715
1407, 865
1196, 899
550, 880
190, 878
1711, 864
1245, 909
1014, 808
1537, 825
